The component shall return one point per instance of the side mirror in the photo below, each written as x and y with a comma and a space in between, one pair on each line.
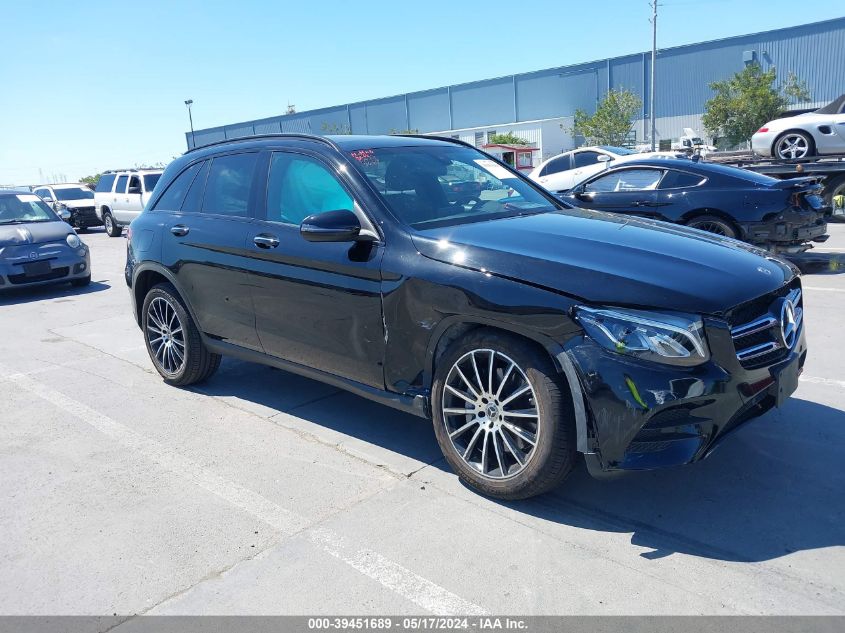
48, 200
331, 226
603, 158
134, 190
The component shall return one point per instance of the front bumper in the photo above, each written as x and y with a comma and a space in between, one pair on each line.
644, 415
84, 217
58, 263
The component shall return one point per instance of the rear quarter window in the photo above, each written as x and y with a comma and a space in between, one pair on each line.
105, 182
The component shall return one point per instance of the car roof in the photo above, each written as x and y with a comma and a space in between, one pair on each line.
15, 192
659, 161
60, 185
342, 142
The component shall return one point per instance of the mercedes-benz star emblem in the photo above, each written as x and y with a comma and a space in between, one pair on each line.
788, 327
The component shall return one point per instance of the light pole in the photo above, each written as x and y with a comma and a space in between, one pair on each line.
188, 103
653, 57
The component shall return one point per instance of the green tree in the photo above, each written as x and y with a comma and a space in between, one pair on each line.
508, 138
747, 100
334, 128
613, 120
91, 180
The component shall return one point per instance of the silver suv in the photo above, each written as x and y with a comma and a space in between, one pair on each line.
120, 196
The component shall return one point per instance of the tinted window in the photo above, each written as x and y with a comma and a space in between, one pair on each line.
150, 181
299, 186
121, 184
679, 179
557, 165
172, 199
74, 193
582, 159
193, 200
626, 180
229, 183
736, 172
105, 182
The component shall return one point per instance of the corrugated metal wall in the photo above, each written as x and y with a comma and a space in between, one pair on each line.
814, 52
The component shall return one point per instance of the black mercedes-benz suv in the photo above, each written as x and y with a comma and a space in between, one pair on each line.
527, 330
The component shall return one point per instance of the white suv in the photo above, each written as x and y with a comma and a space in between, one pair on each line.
120, 196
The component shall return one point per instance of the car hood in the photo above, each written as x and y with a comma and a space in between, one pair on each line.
82, 202
33, 233
608, 259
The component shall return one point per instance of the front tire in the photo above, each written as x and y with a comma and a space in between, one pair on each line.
713, 224
790, 145
173, 340
113, 229
502, 417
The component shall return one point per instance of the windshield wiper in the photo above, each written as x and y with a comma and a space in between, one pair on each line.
13, 221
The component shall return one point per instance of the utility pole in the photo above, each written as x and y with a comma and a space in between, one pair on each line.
653, 57
188, 103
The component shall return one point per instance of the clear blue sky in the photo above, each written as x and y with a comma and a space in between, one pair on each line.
88, 86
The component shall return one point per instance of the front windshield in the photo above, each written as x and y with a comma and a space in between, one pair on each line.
429, 187
20, 208
74, 193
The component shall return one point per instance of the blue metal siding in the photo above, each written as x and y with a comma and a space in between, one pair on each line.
482, 103
429, 110
814, 52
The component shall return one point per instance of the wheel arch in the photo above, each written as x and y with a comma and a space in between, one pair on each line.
689, 216
795, 130
451, 330
149, 275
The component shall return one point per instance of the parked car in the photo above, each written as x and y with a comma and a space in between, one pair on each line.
528, 331
120, 196
36, 246
811, 134
564, 171
780, 215
76, 198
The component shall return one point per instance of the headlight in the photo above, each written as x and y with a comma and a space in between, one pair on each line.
73, 240
663, 338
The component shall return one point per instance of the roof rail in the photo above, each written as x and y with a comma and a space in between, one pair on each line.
309, 137
456, 141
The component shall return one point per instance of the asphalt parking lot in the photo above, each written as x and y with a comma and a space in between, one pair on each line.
260, 492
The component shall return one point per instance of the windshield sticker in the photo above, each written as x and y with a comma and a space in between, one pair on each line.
28, 197
495, 169
366, 157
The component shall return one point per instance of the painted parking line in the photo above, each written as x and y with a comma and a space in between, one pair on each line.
815, 380
373, 565
823, 288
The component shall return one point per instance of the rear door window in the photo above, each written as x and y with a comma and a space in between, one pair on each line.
680, 180
227, 190
121, 184
171, 200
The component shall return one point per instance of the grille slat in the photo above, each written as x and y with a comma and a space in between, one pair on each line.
755, 328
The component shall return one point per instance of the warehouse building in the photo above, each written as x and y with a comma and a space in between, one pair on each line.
539, 106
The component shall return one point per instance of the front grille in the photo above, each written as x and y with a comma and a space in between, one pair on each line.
756, 327
84, 211
55, 273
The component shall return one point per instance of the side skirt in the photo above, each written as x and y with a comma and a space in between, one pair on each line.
414, 404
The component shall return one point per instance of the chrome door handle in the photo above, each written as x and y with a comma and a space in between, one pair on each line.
179, 230
265, 241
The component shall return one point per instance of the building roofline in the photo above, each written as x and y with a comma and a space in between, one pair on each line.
566, 69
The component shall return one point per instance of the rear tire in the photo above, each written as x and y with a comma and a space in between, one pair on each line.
794, 144
113, 229
504, 446
713, 224
173, 340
